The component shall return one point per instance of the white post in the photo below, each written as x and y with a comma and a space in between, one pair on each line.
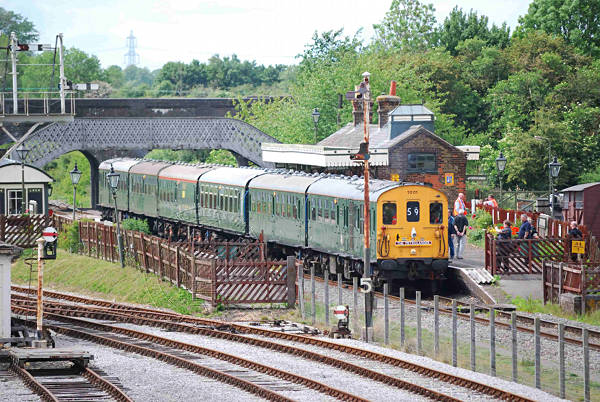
13, 60
63, 80
5, 267
40, 292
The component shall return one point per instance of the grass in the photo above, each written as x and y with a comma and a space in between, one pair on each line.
537, 306
98, 278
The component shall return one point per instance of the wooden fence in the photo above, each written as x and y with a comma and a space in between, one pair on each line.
581, 278
23, 230
218, 272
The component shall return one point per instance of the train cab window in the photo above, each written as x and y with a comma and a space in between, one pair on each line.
412, 211
436, 211
389, 213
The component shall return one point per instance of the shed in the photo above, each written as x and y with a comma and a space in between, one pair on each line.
580, 204
37, 188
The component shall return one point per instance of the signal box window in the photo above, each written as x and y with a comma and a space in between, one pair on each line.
421, 163
436, 211
412, 211
389, 213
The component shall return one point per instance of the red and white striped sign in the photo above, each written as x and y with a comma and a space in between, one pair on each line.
49, 234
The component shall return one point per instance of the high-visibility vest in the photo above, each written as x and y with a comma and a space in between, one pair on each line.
494, 203
459, 204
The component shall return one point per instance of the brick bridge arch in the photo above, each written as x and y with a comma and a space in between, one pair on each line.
103, 138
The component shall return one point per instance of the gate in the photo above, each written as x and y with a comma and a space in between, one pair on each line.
23, 230
581, 278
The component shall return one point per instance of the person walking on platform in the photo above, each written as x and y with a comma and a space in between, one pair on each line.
460, 225
459, 204
451, 234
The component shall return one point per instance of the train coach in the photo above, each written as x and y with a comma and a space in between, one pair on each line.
319, 218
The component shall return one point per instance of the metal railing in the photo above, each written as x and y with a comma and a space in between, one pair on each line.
36, 103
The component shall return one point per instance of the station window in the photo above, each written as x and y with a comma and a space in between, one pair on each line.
436, 211
412, 211
421, 163
389, 213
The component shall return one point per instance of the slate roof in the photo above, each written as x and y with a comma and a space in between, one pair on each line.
351, 136
580, 187
410, 110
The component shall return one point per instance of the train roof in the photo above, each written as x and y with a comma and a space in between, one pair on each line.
119, 164
149, 167
350, 187
231, 176
296, 183
185, 172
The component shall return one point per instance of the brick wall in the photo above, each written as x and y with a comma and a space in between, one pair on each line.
448, 160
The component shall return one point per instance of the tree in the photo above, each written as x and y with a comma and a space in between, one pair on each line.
576, 21
408, 25
22, 27
459, 26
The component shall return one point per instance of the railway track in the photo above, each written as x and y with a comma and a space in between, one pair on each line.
572, 336
70, 384
258, 337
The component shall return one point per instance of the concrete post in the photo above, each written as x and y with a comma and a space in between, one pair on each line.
312, 294
339, 285
561, 359
326, 294
492, 342
418, 306
454, 335
402, 334
301, 291
436, 326
472, 325
4, 294
586, 365
291, 281
355, 302
538, 368
386, 315
513, 327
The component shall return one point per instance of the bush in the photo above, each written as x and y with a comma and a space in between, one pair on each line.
139, 225
69, 240
483, 219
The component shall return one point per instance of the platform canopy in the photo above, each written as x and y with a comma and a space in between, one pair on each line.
10, 172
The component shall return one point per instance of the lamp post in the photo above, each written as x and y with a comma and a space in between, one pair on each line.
315, 117
539, 138
500, 165
554, 168
113, 181
75, 176
22, 151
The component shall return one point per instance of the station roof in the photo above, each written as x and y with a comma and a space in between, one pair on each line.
411, 110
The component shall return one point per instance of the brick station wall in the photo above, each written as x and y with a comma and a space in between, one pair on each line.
448, 160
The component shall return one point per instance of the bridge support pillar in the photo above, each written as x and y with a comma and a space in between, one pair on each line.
241, 161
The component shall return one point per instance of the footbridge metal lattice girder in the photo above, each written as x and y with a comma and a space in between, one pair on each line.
96, 135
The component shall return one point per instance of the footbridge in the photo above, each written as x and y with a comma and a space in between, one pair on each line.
100, 137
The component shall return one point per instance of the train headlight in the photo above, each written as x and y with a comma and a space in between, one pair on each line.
413, 251
413, 233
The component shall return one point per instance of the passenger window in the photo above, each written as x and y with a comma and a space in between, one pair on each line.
389, 213
412, 211
436, 211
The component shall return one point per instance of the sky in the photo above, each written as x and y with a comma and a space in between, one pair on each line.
267, 31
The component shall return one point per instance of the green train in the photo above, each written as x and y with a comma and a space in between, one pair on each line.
317, 217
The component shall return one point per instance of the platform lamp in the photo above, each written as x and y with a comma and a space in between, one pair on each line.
113, 182
75, 177
22, 151
315, 117
500, 165
554, 168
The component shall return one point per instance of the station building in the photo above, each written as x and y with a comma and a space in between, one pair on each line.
403, 147
37, 188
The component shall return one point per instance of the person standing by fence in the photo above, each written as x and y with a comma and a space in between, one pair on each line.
525, 229
460, 225
574, 234
459, 204
503, 248
451, 234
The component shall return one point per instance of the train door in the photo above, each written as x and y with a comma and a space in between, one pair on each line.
352, 211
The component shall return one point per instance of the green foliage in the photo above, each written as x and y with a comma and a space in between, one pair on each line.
69, 238
21, 26
408, 25
63, 188
576, 21
138, 225
483, 219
